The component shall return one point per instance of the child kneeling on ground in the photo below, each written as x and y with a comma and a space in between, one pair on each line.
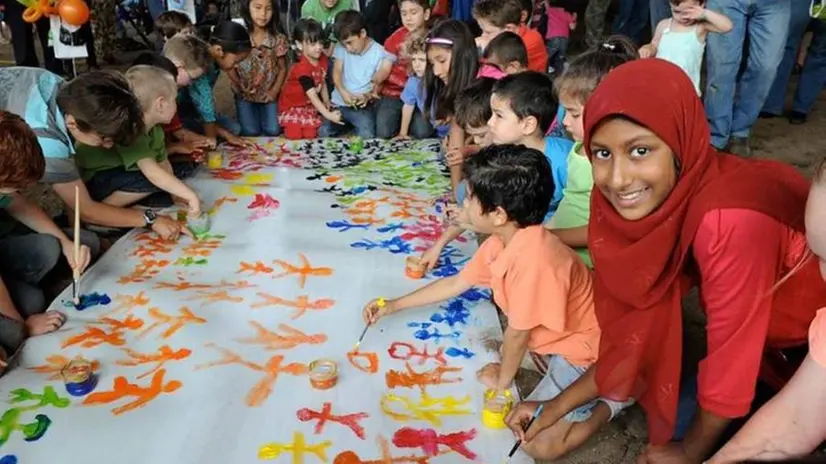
541, 285
124, 175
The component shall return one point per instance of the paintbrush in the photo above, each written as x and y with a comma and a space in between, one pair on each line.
76, 251
527, 426
380, 303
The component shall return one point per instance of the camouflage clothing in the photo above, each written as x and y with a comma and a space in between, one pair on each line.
103, 21
595, 21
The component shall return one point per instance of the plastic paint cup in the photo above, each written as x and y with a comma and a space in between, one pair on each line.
199, 225
357, 145
323, 374
215, 160
78, 377
496, 408
414, 268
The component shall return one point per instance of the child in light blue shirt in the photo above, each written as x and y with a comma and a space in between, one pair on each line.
361, 66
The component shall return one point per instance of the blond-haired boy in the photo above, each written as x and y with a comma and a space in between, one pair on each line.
125, 175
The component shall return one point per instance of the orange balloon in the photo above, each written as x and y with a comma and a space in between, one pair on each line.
74, 12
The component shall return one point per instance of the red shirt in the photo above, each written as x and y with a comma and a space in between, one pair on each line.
741, 256
394, 84
173, 126
535, 45
294, 93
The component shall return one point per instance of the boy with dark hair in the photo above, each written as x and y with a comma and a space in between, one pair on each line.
26, 259
360, 68
508, 53
170, 23
96, 108
524, 106
541, 285
497, 16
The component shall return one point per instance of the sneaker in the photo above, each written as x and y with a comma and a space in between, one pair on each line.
739, 146
797, 118
767, 115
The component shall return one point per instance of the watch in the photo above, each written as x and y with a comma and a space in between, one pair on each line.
149, 217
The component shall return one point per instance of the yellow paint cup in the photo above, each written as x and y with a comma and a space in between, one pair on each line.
496, 408
215, 160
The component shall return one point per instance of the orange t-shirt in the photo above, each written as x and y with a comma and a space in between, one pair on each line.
542, 286
535, 45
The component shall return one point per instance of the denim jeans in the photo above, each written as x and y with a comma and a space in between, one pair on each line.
556, 46
389, 119
105, 183
732, 106
257, 119
631, 18
659, 10
363, 120
814, 69
687, 405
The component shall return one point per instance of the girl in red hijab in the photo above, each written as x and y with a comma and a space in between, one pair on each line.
668, 213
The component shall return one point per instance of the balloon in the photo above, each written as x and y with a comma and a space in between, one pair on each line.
36, 9
74, 12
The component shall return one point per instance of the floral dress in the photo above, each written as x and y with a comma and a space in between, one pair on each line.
294, 107
257, 73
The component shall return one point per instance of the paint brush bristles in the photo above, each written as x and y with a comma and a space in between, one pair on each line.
76, 251
518, 443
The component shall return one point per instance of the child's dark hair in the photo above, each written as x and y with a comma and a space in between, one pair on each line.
499, 13
102, 102
172, 22
425, 4
309, 30
506, 48
530, 94
347, 24
157, 60
512, 177
272, 28
464, 63
586, 71
678, 2
230, 36
473, 103
21, 158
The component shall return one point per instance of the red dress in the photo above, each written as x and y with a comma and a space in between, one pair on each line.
297, 115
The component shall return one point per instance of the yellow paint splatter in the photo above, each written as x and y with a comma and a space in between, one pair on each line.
428, 408
257, 178
242, 190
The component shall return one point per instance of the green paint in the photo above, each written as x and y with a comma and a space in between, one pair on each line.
10, 420
190, 261
411, 170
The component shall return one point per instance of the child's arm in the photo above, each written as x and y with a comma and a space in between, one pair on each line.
650, 50
32, 216
200, 91
407, 118
574, 237
430, 258
166, 181
435, 292
456, 141
713, 21
7, 307
338, 82
325, 95
572, 25
318, 103
380, 76
514, 347
279, 78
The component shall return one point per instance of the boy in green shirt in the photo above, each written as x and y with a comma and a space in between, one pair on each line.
325, 11
123, 175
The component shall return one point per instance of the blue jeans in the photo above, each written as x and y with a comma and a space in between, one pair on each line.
631, 18
195, 125
814, 70
363, 120
257, 119
732, 106
389, 118
105, 183
659, 9
687, 405
556, 46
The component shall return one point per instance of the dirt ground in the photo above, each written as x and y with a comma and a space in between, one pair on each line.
623, 439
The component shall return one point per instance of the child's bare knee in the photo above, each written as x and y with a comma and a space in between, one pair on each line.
545, 450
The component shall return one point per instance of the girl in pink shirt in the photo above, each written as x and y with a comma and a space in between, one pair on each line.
558, 22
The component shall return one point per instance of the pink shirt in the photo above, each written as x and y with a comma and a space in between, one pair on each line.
559, 23
489, 70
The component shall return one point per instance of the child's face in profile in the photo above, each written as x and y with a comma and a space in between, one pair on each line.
483, 223
816, 223
356, 44
439, 58
573, 117
418, 62
413, 16
489, 31
226, 60
508, 68
165, 109
91, 138
504, 125
311, 50
479, 135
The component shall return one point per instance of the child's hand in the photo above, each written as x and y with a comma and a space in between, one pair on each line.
430, 258
83, 258
272, 94
455, 157
348, 98
194, 207
647, 51
239, 141
169, 229
489, 375
402, 137
335, 117
692, 13
43, 323
519, 417
372, 313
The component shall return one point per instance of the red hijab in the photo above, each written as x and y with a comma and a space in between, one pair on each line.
640, 266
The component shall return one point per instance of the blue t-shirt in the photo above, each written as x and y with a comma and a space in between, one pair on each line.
31, 93
357, 70
556, 150
413, 94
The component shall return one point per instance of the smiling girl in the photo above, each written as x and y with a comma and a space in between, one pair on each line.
670, 212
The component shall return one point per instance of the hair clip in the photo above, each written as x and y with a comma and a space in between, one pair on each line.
609, 46
439, 41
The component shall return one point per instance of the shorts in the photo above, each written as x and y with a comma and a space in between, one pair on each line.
562, 374
105, 183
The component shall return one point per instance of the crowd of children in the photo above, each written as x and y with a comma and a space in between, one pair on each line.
523, 184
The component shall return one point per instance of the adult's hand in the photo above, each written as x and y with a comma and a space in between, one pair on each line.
83, 259
169, 229
43, 323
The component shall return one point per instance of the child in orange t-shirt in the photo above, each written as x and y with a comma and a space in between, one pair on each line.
497, 16
542, 286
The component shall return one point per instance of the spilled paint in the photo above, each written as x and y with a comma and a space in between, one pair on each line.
89, 300
429, 441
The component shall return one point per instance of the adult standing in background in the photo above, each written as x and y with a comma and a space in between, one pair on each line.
659, 10
732, 104
813, 76
595, 21
22, 39
104, 16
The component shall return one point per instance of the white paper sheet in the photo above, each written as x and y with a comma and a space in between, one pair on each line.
216, 335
